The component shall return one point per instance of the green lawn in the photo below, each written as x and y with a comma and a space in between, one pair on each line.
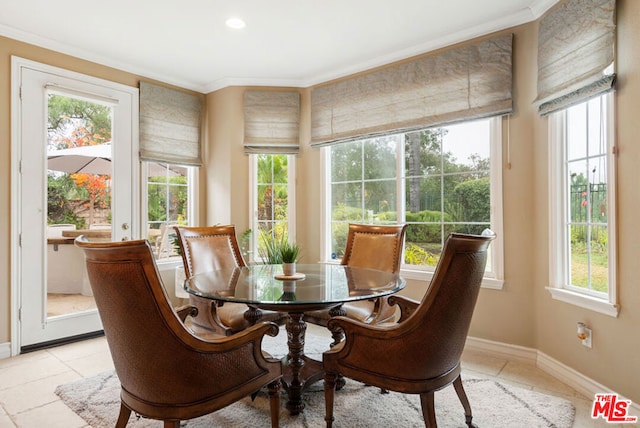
599, 270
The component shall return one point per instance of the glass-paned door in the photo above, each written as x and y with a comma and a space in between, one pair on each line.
76, 178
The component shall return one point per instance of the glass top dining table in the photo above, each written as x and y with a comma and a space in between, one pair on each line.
314, 287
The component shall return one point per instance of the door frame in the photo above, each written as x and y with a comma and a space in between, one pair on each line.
17, 63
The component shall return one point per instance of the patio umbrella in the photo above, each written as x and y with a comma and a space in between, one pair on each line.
94, 159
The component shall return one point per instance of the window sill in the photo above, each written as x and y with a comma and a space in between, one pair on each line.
583, 301
421, 275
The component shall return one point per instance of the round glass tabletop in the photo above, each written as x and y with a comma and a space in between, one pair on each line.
313, 284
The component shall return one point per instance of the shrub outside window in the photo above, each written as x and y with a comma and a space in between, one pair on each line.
436, 180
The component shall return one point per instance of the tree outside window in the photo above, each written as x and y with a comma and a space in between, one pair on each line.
272, 205
443, 182
74, 198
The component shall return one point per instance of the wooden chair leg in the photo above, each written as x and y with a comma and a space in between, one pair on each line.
462, 395
428, 409
274, 403
171, 424
123, 416
329, 392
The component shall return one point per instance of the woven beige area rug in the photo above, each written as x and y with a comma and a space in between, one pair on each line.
494, 404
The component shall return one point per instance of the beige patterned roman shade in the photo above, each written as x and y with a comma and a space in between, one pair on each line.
271, 122
169, 125
465, 82
576, 44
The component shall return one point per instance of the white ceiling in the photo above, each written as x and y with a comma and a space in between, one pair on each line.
285, 43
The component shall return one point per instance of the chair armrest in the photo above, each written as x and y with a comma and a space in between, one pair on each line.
186, 311
254, 333
359, 335
407, 306
352, 327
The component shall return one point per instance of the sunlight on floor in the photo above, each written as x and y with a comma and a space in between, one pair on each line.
62, 304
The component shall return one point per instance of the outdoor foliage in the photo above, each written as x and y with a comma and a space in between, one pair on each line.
272, 201
473, 200
416, 255
277, 250
74, 123
425, 226
167, 199
443, 194
59, 208
589, 242
272, 187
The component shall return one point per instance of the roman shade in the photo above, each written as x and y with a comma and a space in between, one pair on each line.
169, 125
576, 47
465, 82
271, 122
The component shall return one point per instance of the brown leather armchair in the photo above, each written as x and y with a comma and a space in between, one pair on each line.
216, 247
165, 371
420, 353
373, 247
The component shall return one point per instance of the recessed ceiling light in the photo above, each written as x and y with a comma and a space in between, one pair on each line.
235, 23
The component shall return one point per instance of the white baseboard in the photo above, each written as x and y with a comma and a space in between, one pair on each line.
581, 383
5, 350
516, 352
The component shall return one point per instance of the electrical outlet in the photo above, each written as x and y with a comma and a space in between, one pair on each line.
587, 340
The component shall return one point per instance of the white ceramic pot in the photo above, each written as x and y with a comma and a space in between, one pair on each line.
288, 269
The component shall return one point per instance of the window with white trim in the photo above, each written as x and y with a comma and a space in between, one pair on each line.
168, 190
582, 216
272, 200
436, 180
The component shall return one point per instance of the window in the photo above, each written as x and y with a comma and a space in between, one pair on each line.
436, 180
273, 199
169, 191
582, 189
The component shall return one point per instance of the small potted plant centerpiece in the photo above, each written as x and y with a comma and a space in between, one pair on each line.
290, 253
280, 251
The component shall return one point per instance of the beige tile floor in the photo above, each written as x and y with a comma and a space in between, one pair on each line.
28, 381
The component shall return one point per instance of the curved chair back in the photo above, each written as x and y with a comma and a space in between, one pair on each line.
372, 247
375, 247
209, 248
165, 371
443, 317
421, 353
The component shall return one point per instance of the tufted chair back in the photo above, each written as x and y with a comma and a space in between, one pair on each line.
375, 247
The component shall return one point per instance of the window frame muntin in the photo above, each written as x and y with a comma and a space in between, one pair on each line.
558, 200
192, 206
493, 279
253, 206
